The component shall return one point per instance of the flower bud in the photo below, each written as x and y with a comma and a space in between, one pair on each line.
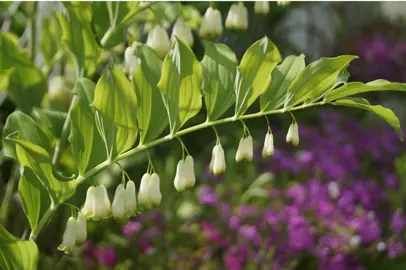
245, 149
143, 194
283, 3
180, 177
217, 163
154, 190
81, 230
69, 236
87, 209
293, 134
118, 205
190, 172
159, 41
182, 30
261, 7
268, 149
237, 17
130, 201
211, 26
101, 206
130, 61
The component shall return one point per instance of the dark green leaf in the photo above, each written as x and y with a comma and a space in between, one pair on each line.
5, 78
316, 79
50, 38
254, 73
282, 76
116, 101
50, 121
385, 113
16, 253
180, 85
151, 113
358, 87
34, 197
219, 69
26, 80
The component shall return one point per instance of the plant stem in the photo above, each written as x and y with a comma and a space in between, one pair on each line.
4, 208
33, 31
44, 221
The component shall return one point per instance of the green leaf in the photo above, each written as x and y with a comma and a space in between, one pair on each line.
385, 113
180, 85
282, 76
18, 121
219, 70
26, 80
254, 73
36, 158
78, 39
87, 145
5, 78
50, 121
34, 197
358, 87
16, 253
50, 38
116, 101
317, 78
151, 113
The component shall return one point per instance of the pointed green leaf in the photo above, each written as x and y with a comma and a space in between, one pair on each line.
5, 78
385, 113
219, 70
34, 197
316, 79
116, 101
180, 85
36, 158
151, 112
282, 76
51, 122
18, 121
16, 253
50, 38
26, 80
357, 87
87, 145
254, 73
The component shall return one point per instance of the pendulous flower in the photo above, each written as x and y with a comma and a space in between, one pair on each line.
237, 17
182, 30
158, 40
69, 236
211, 26
268, 149
218, 162
245, 149
261, 7
293, 134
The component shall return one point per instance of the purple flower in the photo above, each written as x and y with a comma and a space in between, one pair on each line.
207, 196
106, 256
236, 257
132, 228
234, 223
394, 249
398, 221
301, 236
250, 233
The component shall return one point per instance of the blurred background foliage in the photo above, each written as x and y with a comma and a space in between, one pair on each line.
244, 219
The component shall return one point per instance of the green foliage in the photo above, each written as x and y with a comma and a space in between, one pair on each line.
16, 253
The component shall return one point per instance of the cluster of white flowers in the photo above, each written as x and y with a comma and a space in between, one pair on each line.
237, 17
150, 193
185, 174
75, 233
293, 134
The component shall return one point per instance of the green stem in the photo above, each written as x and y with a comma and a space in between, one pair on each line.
33, 31
4, 208
44, 221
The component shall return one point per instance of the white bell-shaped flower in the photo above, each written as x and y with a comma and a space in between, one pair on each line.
89, 203
143, 194
131, 200
211, 25
261, 7
158, 40
154, 190
102, 206
81, 230
218, 162
180, 177
118, 205
293, 134
268, 149
245, 149
130, 60
182, 30
190, 172
69, 236
237, 17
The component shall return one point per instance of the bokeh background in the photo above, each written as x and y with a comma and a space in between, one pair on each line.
334, 202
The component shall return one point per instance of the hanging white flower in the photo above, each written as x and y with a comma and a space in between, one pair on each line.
131, 199
69, 236
268, 149
180, 177
293, 134
211, 25
81, 230
101, 204
237, 17
118, 205
190, 172
261, 7
182, 30
218, 162
130, 60
245, 149
154, 190
143, 194
158, 40
89, 202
